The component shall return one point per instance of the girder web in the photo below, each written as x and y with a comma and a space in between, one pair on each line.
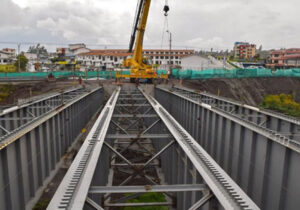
136, 148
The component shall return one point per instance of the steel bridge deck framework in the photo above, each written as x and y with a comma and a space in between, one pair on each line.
135, 147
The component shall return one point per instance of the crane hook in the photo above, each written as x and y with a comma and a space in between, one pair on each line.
166, 8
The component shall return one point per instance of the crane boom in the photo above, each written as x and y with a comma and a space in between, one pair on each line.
137, 64
138, 51
136, 22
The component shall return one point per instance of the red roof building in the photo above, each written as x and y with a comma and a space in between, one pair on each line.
286, 58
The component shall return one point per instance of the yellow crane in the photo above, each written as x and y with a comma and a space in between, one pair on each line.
139, 65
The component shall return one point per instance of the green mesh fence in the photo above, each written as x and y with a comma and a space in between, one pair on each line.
176, 73
237, 73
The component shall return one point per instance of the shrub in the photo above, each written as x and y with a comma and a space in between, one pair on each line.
283, 103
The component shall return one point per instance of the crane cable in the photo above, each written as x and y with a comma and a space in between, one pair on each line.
166, 22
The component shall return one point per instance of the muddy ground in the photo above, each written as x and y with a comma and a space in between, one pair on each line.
250, 91
26, 90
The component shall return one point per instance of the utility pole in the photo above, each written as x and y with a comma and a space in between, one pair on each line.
19, 64
170, 50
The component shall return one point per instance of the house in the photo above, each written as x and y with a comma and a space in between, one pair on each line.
285, 58
5, 58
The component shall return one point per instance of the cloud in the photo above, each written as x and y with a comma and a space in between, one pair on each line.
202, 24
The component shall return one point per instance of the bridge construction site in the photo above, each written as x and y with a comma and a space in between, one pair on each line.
144, 138
191, 149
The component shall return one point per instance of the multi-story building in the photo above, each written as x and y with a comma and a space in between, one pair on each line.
286, 58
244, 50
114, 57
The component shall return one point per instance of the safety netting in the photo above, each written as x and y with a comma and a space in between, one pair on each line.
176, 73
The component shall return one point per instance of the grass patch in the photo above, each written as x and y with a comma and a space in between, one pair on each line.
5, 91
283, 103
147, 198
42, 204
7, 68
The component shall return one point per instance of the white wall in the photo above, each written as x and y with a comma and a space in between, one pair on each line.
197, 62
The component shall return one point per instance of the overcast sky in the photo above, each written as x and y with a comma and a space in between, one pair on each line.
202, 24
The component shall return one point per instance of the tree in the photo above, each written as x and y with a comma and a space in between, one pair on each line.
257, 56
23, 62
38, 49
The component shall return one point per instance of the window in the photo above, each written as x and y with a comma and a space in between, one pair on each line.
111, 58
161, 57
157, 57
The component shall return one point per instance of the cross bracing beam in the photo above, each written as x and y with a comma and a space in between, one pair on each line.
138, 204
138, 136
145, 189
134, 115
202, 201
228, 193
132, 99
133, 105
93, 204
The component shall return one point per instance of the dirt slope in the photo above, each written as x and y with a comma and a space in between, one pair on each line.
250, 91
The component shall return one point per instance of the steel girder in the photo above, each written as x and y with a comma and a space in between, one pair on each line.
263, 163
279, 123
18, 117
32, 154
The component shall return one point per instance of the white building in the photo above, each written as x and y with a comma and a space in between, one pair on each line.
32, 60
198, 62
73, 49
31, 56
114, 57
5, 58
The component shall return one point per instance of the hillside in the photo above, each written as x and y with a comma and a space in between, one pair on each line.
251, 90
